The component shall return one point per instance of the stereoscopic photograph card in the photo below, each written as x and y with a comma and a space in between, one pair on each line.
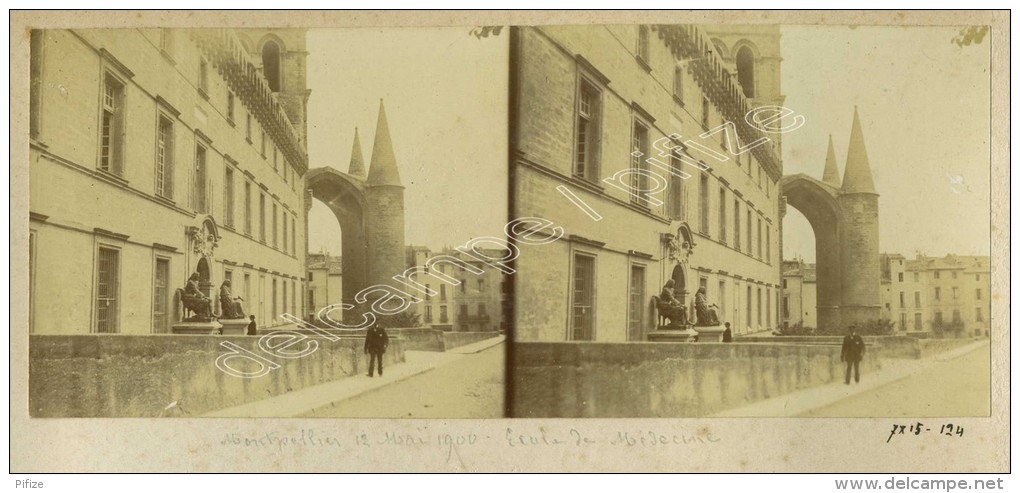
678, 241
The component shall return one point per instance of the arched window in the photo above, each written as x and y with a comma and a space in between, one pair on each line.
745, 70
271, 64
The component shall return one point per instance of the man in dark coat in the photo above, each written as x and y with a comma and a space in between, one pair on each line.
852, 353
376, 341
727, 335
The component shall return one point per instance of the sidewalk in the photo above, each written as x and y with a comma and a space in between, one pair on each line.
302, 401
803, 401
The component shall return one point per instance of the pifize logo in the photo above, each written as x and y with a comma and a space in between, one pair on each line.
389, 300
384, 299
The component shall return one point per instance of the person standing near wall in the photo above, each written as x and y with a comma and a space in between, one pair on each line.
852, 353
376, 341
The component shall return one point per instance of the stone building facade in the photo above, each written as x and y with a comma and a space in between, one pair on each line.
158, 153
475, 304
325, 282
937, 294
599, 112
800, 290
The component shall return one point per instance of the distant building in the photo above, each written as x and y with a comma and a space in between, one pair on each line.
937, 294
325, 282
475, 304
800, 290
158, 153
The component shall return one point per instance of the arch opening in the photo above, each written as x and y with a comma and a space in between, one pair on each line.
271, 64
818, 204
343, 196
745, 70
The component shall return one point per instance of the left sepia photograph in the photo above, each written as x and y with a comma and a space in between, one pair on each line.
268, 222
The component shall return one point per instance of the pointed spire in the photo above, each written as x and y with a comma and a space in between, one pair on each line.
831, 173
357, 162
857, 175
383, 170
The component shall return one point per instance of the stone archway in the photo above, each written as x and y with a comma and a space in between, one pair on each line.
845, 224
344, 195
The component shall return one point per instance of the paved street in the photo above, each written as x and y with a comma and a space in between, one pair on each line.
953, 387
469, 386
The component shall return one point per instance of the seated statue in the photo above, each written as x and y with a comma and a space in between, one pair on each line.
196, 301
230, 306
706, 313
670, 307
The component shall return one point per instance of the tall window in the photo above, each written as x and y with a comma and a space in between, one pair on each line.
759, 237
275, 230
917, 299
481, 309
293, 235
758, 306
722, 213
768, 244
583, 303
262, 142
676, 188
678, 84
704, 112
111, 134
636, 309
262, 217
978, 316
428, 313
161, 297
230, 106
165, 157
228, 197
283, 302
107, 290
917, 321
247, 127
586, 148
442, 292
977, 294
745, 70
721, 296
247, 208
704, 203
903, 322
199, 196
749, 231
275, 299
166, 41
768, 307
956, 292
639, 152
938, 293
900, 277
271, 65
956, 316
642, 43
443, 317
736, 224
283, 216
903, 303
749, 305
203, 77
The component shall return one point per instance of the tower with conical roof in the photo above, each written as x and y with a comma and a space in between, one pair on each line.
859, 249
384, 215
831, 173
357, 167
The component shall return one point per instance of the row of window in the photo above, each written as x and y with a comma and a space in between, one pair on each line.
278, 215
935, 274
583, 301
938, 319
462, 286
938, 296
464, 313
108, 298
744, 59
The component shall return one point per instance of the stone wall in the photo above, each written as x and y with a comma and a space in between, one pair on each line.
437, 340
140, 376
663, 379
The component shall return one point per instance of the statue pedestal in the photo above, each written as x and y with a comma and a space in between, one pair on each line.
672, 335
234, 326
710, 333
199, 328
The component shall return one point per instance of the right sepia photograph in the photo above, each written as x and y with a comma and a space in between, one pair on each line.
750, 221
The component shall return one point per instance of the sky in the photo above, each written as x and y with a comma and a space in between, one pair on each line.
445, 93
923, 103
925, 111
